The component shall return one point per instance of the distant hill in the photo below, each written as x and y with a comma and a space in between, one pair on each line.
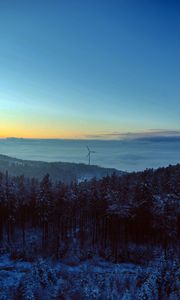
58, 171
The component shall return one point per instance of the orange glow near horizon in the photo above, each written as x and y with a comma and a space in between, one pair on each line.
40, 134
32, 129
38, 127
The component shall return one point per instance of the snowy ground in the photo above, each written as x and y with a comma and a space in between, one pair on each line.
12, 274
91, 279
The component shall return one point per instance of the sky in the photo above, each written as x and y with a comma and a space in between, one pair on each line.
89, 69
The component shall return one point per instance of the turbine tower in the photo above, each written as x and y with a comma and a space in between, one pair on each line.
89, 154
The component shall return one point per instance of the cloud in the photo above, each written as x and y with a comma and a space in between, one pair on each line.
155, 134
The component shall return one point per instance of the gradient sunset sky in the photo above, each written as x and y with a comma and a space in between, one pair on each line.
89, 69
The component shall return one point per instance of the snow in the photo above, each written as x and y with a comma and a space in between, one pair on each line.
90, 279
11, 273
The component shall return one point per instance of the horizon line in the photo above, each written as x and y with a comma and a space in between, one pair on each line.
103, 137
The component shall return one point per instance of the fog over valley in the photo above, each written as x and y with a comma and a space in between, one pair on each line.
127, 155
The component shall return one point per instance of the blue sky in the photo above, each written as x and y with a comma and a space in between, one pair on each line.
77, 69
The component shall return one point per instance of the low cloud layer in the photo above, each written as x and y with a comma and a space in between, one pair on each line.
152, 133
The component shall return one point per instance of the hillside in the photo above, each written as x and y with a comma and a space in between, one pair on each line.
58, 171
113, 238
142, 207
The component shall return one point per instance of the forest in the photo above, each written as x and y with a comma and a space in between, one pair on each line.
134, 219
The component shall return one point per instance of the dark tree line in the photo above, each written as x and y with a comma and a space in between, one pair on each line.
106, 214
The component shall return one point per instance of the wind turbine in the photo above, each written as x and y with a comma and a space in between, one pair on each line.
89, 154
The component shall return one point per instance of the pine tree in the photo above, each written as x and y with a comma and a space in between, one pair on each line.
45, 202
